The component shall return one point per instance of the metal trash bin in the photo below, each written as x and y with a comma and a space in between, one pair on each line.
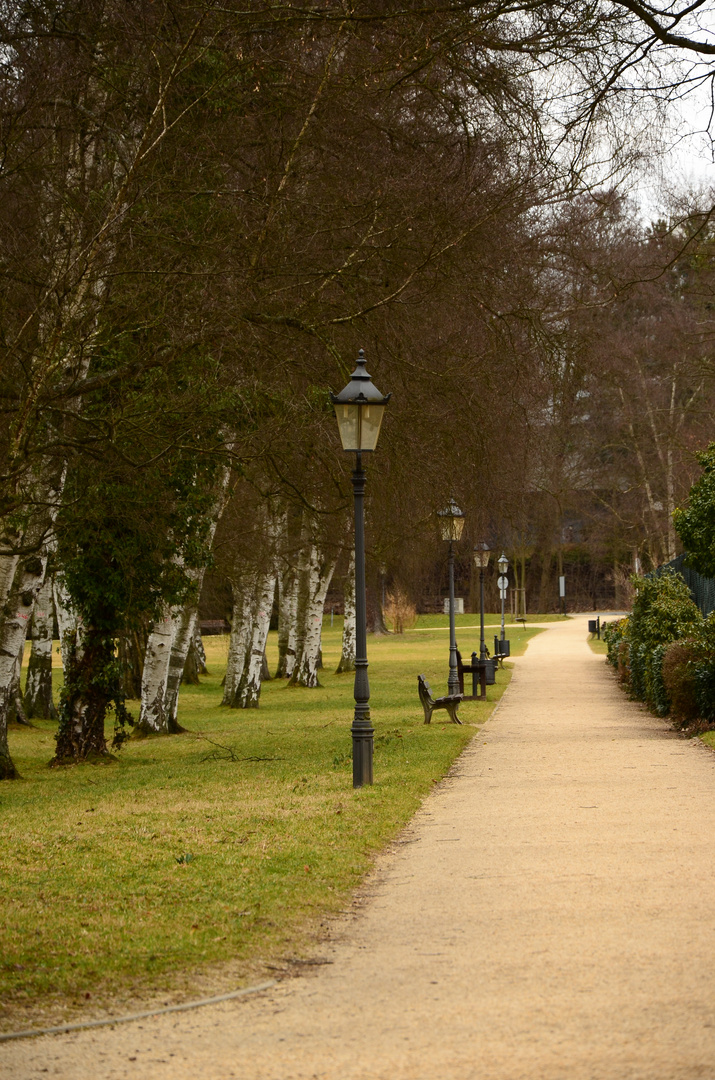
502, 649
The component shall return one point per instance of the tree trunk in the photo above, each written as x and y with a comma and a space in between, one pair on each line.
153, 719
38, 686
185, 624
375, 616
8, 568
241, 635
195, 659
86, 698
164, 661
168, 646
287, 616
200, 651
545, 583
190, 676
131, 650
315, 574
253, 607
17, 713
248, 691
29, 577
66, 619
347, 659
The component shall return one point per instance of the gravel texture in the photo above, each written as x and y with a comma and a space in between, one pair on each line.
548, 915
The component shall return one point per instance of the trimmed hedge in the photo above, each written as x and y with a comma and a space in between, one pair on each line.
664, 651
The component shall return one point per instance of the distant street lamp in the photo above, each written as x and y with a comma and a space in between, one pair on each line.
481, 561
451, 523
359, 409
503, 564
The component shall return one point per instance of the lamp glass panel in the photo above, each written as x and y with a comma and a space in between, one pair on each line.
370, 420
481, 559
450, 527
348, 417
503, 564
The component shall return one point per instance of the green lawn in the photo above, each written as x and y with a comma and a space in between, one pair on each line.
203, 861
470, 619
597, 646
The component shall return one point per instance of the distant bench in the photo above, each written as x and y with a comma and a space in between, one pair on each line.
451, 702
475, 670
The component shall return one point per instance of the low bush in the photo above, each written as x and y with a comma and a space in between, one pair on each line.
656, 691
663, 612
705, 688
678, 669
637, 653
623, 663
613, 634
664, 652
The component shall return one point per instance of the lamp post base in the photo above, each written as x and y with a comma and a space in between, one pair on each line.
362, 755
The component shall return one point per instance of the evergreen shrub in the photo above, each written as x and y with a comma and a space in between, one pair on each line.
663, 612
623, 663
656, 691
679, 665
705, 689
613, 634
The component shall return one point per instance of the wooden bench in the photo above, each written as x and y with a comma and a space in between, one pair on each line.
472, 669
451, 703
480, 679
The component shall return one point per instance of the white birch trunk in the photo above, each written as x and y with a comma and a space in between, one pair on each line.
29, 577
347, 659
315, 577
168, 646
66, 619
184, 633
17, 714
38, 687
153, 718
198, 644
239, 642
8, 566
287, 621
249, 690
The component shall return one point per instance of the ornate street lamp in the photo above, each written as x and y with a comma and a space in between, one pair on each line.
503, 564
451, 523
359, 409
481, 561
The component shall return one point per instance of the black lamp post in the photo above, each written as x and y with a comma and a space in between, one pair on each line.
481, 561
451, 522
503, 564
359, 409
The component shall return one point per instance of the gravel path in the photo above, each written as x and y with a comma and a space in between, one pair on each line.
548, 915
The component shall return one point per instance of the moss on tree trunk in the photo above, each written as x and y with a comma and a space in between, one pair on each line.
91, 686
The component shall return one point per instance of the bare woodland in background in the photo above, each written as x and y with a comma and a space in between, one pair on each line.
205, 210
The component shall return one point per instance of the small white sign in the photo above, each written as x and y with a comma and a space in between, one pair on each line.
562, 587
502, 594
458, 605
503, 581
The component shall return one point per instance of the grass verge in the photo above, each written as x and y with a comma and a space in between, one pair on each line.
199, 862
